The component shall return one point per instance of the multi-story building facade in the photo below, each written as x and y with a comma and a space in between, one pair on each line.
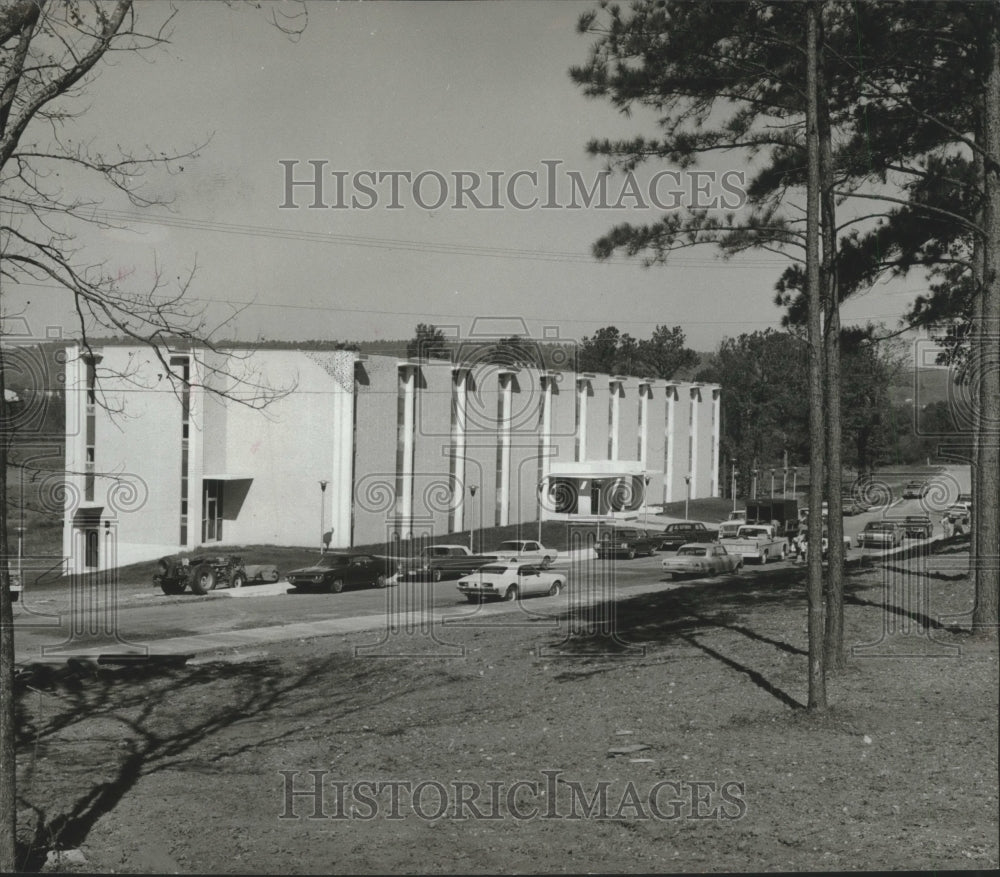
175, 453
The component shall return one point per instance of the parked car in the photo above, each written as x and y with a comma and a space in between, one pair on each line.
510, 581
880, 534
700, 559
965, 499
200, 574
853, 505
959, 518
626, 542
527, 550
443, 561
729, 529
918, 527
337, 570
679, 534
915, 489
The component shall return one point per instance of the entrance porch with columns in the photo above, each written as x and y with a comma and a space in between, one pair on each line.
595, 489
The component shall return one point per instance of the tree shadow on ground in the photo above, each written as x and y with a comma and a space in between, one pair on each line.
683, 615
156, 716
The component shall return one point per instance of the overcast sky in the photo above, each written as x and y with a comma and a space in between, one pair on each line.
480, 88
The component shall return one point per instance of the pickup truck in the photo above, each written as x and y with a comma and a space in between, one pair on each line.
757, 542
627, 542
440, 561
782, 514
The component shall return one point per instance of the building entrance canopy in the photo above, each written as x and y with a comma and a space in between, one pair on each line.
595, 487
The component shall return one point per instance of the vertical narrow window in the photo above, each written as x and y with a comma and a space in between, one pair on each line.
612, 388
354, 448
643, 389
577, 421
543, 414
183, 365
498, 513
91, 429
456, 378
92, 549
211, 511
400, 438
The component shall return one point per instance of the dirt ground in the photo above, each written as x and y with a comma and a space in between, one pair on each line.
485, 749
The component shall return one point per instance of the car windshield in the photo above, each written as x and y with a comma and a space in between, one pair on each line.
332, 560
692, 551
874, 525
492, 569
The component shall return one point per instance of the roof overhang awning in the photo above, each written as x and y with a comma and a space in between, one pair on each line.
602, 469
228, 476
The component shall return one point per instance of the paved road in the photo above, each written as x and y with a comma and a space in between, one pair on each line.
48, 624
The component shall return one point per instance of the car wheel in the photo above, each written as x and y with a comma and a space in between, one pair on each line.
436, 575
763, 558
238, 580
631, 554
510, 594
381, 581
172, 587
555, 589
336, 586
203, 579
739, 566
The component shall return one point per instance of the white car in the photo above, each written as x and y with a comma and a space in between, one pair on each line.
511, 581
526, 550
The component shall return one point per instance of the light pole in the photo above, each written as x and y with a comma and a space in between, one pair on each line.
794, 474
20, 555
645, 499
322, 516
784, 483
540, 513
753, 489
472, 517
772, 484
687, 497
734, 484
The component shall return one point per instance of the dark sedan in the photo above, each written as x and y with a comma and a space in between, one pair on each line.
621, 542
684, 532
918, 527
334, 572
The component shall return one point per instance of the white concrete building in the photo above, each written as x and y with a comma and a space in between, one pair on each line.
165, 455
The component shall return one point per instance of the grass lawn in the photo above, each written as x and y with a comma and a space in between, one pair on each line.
675, 740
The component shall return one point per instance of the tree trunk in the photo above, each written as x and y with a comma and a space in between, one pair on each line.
987, 509
834, 634
8, 765
814, 587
